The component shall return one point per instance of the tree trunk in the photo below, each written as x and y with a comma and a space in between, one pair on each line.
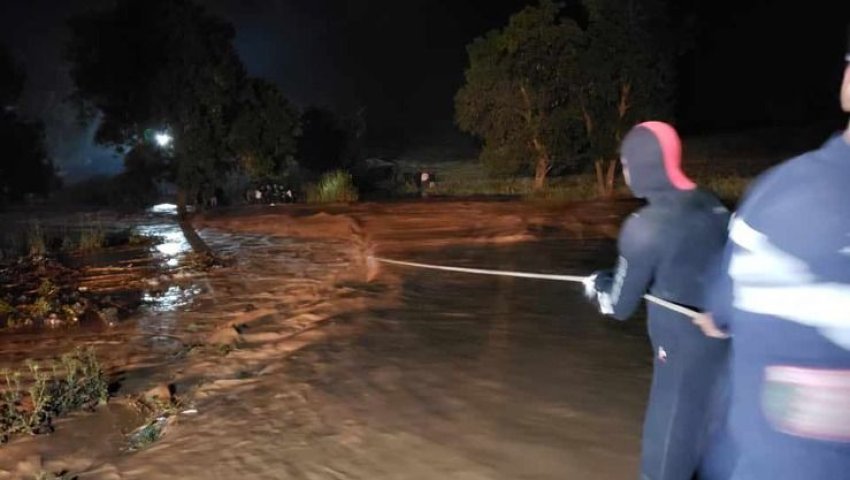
540, 172
612, 172
605, 177
199, 246
544, 163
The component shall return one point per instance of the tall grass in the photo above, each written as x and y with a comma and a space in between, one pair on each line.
470, 178
333, 187
36, 243
570, 188
92, 238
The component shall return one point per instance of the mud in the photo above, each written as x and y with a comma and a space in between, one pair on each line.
291, 366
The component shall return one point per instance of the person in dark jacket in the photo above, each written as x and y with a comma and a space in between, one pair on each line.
784, 296
667, 249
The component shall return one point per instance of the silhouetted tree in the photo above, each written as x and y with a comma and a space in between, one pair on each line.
322, 146
626, 75
151, 65
24, 164
264, 133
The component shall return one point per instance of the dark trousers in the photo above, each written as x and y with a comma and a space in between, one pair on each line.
687, 401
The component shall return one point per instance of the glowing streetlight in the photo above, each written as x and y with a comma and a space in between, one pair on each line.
163, 139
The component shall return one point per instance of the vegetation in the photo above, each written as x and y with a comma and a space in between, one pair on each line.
265, 130
85, 236
463, 178
25, 168
64, 475
551, 88
92, 237
333, 187
625, 75
517, 92
36, 245
73, 383
329, 142
147, 435
156, 67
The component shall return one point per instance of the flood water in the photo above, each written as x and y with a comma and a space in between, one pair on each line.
463, 377
419, 375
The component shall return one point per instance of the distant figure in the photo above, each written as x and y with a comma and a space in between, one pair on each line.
424, 183
258, 196
667, 248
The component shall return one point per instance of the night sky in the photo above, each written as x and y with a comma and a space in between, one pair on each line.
750, 64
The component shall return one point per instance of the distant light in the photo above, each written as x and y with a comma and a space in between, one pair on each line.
163, 139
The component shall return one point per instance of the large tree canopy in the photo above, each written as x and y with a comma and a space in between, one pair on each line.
169, 65
265, 131
551, 88
517, 95
625, 75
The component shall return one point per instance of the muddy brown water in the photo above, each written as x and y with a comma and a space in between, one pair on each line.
420, 375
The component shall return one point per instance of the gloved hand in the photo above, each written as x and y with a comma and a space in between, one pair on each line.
596, 288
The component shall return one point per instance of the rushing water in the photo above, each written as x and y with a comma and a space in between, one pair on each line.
422, 375
460, 376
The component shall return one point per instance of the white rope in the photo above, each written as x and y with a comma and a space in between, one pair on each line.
541, 276
480, 271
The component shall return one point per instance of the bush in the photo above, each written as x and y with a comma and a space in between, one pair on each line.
92, 238
333, 187
81, 384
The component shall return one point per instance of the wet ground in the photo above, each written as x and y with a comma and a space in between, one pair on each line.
419, 375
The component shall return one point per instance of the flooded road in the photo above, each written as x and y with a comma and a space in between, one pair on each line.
418, 375
464, 377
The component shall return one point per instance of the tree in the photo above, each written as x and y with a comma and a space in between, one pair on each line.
626, 76
169, 65
323, 144
517, 96
264, 134
549, 87
24, 164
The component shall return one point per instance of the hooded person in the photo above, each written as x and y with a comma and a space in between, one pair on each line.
784, 296
667, 248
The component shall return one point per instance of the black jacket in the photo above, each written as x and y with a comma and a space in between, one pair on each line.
669, 247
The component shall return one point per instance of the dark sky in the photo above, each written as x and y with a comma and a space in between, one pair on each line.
752, 63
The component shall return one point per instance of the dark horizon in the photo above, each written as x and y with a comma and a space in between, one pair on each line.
763, 64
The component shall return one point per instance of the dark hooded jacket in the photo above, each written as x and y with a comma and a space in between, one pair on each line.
669, 246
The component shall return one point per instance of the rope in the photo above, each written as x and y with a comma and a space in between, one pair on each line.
540, 276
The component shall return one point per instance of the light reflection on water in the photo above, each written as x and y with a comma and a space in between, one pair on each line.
166, 208
171, 299
171, 249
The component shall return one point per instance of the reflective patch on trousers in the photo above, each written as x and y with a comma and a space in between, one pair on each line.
808, 402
